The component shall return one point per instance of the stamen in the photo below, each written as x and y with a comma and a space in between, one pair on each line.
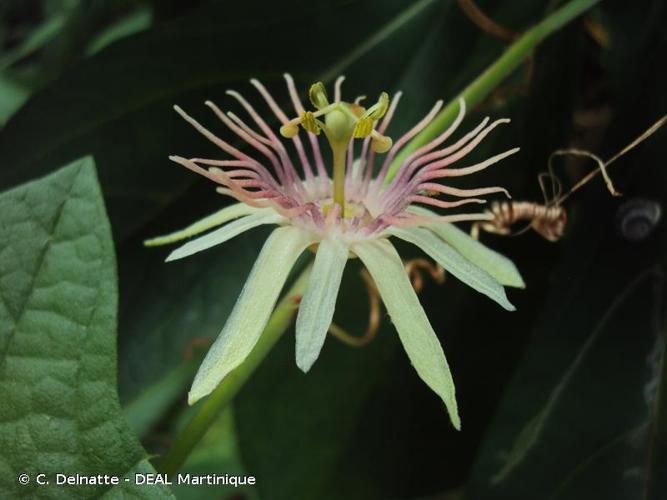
283, 119
363, 128
367, 163
314, 144
309, 123
318, 95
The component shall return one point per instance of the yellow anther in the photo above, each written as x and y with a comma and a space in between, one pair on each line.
289, 130
378, 109
363, 128
318, 95
309, 123
381, 143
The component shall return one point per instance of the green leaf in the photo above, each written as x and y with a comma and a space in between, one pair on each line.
60, 412
12, 97
586, 417
146, 409
37, 39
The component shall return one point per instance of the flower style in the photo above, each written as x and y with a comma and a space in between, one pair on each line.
352, 213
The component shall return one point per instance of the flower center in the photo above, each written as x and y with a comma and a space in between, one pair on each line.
343, 122
351, 210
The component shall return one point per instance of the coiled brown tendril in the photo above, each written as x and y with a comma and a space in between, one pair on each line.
549, 219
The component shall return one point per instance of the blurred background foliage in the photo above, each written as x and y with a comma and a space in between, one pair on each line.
565, 398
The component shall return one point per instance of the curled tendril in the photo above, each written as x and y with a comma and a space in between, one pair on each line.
373, 317
414, 268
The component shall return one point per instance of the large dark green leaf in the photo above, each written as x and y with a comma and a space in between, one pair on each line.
588, 428
59, 412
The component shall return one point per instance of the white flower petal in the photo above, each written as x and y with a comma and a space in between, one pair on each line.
454, 262
252, 309
497, 265
319, 301
225, 215
418, 338
226, 232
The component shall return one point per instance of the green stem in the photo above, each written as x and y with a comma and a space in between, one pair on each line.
210, 408
485, 83
339, 177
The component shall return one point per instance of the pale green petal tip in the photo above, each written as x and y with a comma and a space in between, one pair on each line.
175, 255
512, 276
455, 419
202, 388
204, 383
504, 301
304, 364
506, 304
305, 357
519, 283
193, 397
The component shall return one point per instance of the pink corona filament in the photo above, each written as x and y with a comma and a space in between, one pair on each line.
266, 175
